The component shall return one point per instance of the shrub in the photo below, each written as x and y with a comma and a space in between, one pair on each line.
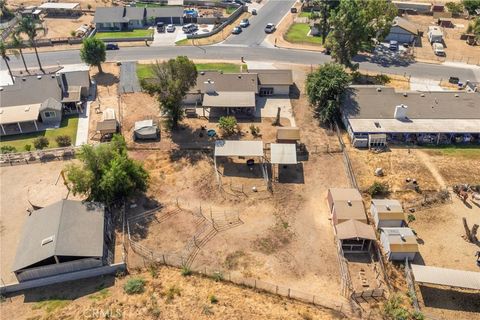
134, 286
28, 147
393, 309
89, 6
217, 276
213, 299
41, 143
228, 124
454, 8
411, 218
186, 271
64, 141
255, 130
378, 188
171, 293
8, 149
382, 79
417, 315
153, 270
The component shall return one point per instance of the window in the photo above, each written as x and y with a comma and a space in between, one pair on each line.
266, 91
49, 114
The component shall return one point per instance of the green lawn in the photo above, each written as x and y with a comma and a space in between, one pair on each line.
68, 127
145, 70
304, 14
124, 34
298, 33
471, 152
230, 10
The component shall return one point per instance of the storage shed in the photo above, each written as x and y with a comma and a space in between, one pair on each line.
387, 213
346, 204
355, 236
64, 237
288, 135
399, 243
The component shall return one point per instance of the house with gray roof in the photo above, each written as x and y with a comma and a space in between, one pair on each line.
129, 18
64, 237
375, 116
402, 31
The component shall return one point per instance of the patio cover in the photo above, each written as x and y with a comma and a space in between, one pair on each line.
59, 5
19, 113
226, 148
283, 153
446, 277
107, 126
353, 229
288, 133
224, 99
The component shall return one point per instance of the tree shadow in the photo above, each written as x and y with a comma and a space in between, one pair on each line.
450, 299
294, 92
106, 79
291, 173
385, 57
139, 224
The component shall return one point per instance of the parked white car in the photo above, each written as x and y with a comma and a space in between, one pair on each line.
438, 49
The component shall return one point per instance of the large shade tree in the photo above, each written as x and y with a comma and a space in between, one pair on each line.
378, 15
170, 83
325, 87
106, 173
31, 29
93, 52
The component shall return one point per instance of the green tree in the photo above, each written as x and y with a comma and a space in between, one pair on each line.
228, 124
471, 5
378, 15
30, 28
41, 143
5, 12
454, 7
64, 141
17, 43
324, 88
474, 28
107, 174
93, 52
170, 83
6, 58
348, 34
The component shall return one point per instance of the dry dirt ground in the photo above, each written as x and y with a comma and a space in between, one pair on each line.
83, 3
440, 231
456, 50
167, 295
38, 183
61, 27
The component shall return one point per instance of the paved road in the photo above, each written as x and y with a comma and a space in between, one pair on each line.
418, 70
272, 12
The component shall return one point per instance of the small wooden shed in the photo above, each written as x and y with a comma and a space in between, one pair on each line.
387, 213
399, 243
288, 135
346, 204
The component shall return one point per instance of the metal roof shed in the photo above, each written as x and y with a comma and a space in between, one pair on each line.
283, 153
290, 134
355, 236
446, 277
230, 148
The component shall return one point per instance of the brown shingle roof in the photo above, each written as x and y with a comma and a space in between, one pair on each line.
273, 76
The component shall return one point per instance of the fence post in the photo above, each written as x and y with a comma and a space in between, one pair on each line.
313, 300
289, 292
255, 284
163, 256
276, 289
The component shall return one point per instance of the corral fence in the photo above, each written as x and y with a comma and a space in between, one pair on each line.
346, 159
234, 16
36, 156
411, 286
428, 200
7, 27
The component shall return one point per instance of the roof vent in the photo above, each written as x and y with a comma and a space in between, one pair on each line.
27, 108
379, 89
377, 124
405, 94
1, 88
456, 95
202, 73
24, 79
47, 240
39, 77
53, 76
239, 77
388, 207
422, 95
349, 203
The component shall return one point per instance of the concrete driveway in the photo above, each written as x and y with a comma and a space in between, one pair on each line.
268, 106
166, 38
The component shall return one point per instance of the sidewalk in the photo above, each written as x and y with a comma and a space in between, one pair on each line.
83, 123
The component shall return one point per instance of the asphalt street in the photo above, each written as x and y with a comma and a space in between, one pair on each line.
272, 12
226, 52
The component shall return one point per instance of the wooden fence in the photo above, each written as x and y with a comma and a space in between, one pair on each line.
36, 156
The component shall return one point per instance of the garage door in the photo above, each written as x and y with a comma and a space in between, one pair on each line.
399, 37
168, 20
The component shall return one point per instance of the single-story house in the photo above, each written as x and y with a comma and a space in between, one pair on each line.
273, 81
64, 237
410, 117
235, 92
346, 204
402, 30
413, 7
355, 236
387, 213
129, 18
399, 243
33, 101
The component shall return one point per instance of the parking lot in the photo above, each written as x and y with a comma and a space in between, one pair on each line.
170, 38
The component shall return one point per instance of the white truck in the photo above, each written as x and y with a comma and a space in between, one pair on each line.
435, 34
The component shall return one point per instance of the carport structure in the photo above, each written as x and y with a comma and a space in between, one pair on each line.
446, 277
233, 148
282, 154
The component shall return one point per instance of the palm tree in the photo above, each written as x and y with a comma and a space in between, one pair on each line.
18, 44
30, 28
3, 54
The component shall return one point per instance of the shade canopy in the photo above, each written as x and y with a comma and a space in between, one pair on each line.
226, 148
446, 277
288, 133
283, 153
224, 99
353, 229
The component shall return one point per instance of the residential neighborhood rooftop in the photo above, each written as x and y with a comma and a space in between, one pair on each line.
30, 90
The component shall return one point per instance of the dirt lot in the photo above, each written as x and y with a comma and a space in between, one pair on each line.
60, 27
440, 231
37, 183
83, 3
168, 295
456, 50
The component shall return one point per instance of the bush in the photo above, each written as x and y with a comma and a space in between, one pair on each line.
63, 141
41, 143
171, 293
213, 299
255, 130
28, 147
134, 286
89, 6
411, 218
382, 79
454, 8
186, 271
8, 149
393, 309
417, 315
378, 188
217, 276
228, 124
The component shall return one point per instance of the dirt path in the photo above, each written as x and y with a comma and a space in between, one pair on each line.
432, 168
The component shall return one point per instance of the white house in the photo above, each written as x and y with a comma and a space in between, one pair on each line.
399, 243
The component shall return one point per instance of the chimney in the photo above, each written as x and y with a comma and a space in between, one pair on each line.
209, 86
400, 112
349, 203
